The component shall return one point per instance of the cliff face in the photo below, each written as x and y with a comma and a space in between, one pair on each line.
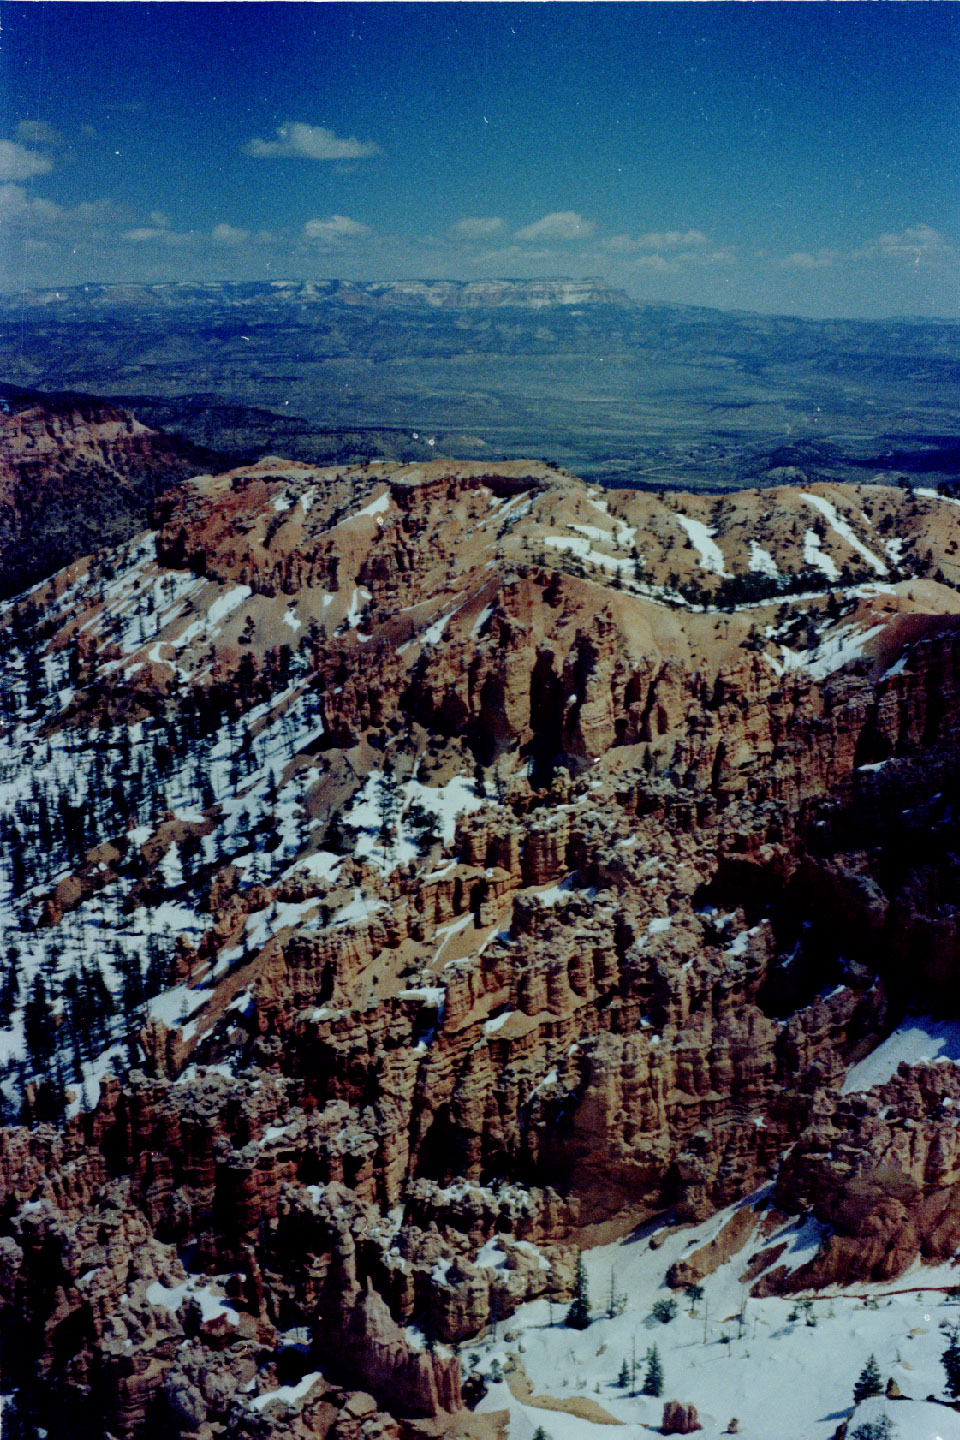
467, 879
76, 476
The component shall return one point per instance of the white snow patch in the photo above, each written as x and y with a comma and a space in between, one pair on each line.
480, 621
919, 1038
172, 1297
731, 1355
582, 548
658, 926
711, 556
819, 559
841, 527
322, 866
376, 507
358, 599
490, 1256
434, 633
287, 1394
762, 562
935, 495
226, 604
492, 1026
834, 651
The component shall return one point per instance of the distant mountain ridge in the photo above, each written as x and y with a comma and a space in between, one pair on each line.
469, 294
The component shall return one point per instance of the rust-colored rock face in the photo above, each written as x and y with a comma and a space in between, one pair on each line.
75, 474
518, 888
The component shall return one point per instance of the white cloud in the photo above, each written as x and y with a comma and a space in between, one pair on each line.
156, 235
671, 239
677, 261
38, 132
476, 227
505, 256
19, 163
21, 212
296, 141
225, 234
652, 262
918, 245
689, 242
17, 208
335, 230
559, 225
821, 259
617, 245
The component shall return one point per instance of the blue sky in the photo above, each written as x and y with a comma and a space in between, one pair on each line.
782, 157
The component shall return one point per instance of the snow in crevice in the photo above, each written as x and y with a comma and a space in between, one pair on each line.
840, 647
701, 536
581, 547
226, 604
762, 562
817, 558
841, 528
379, 506
480, 621
918, 1039
929, 494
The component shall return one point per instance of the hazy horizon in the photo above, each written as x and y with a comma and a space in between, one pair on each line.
781, 159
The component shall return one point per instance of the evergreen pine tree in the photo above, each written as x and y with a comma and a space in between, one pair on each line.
694, 1294
388, 798
868, 1381
950, 1360
623, 1378
653, 1380
578, 1316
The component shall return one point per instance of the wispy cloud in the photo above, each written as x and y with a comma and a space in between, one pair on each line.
558, 225
672, 240
17, 162
38, 132
690, 242
22, 212
674, 251
822, 259
336, 230
157, 235
653, 262
918, 245
476, 227
224, 234
296, 141
504, 257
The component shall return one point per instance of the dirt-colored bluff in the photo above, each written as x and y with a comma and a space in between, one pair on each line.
621, 826
75, 476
